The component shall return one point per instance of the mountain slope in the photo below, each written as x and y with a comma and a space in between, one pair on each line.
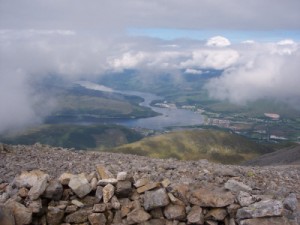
216, 146
286, 156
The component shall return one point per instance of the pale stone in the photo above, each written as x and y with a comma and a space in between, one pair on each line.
65, 178
77, 203
155, 199
147, 187
122, 176
104, 182
94, 183
36, 180
103, 172
236, 186
245, 198
141, 182
108, 192
80, 185
261, 209
165, 183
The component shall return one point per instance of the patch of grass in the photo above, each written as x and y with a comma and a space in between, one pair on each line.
217, 146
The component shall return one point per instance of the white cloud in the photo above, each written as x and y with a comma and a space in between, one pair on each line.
218, 41
212, 59
193, 71
265, 74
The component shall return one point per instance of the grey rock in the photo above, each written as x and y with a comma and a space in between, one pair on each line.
155, 199
123, 188
236, 186
99, 193
80, 185
291, 202
54, 190
175, 212
245, 198
121, 176
261, 209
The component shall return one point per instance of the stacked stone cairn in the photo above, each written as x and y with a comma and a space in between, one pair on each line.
101, 198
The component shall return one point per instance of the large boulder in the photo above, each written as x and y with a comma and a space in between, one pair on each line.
261, 209
80, 185
36, 180
211, 198
155, 199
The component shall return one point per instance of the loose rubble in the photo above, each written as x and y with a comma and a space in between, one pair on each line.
162, 195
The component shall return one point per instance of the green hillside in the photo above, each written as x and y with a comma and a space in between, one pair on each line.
216, 146
75, 136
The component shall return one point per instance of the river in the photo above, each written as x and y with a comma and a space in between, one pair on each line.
170, 117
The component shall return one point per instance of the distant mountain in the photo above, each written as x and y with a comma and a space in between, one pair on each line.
216, 146
75, 136
286, 156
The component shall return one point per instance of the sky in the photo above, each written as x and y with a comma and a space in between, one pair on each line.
255, 42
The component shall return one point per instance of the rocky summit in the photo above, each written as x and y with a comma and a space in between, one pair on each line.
45, 185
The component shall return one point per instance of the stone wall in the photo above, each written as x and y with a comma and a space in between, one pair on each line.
104, 198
